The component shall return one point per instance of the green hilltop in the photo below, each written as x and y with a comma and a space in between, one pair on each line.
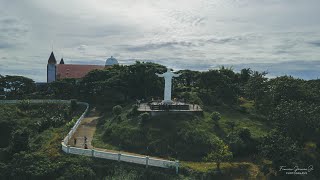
249, 127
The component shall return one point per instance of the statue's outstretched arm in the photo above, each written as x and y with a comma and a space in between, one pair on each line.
159, 75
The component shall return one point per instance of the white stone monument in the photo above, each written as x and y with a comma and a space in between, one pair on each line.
168, 85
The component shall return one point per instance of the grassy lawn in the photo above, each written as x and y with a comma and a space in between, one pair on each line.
166, 126
258, 127
163, 131
98, 142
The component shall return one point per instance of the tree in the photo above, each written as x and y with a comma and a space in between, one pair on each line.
187, 78
65, 88
209, 80
134, 110
220, 86
286, 88
75, 171
313, 91
215, 116
298, 120
219, 154
241, 143
245, 134
282, 150
20, 140
231, 125
17, 86
117, 110
257, 88
245, 75
121, 83
144, 118
142, 80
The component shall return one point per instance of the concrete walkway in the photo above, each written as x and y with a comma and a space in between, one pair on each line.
86, 129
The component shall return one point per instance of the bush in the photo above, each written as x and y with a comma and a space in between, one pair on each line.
134, 109
124, 136
215, 116
245, 134
20, 140
24, 105
117, 110
71, 123
144, 118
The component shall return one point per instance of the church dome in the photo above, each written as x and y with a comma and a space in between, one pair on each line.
111, 61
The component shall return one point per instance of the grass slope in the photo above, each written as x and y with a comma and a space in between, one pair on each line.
173, 135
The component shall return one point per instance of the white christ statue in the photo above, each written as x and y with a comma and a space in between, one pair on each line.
168, 84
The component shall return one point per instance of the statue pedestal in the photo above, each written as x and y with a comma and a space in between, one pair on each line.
167, 102
168, 107
158, 108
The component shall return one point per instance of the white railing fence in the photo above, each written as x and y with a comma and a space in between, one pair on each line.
144, 160
76, 125
33, 101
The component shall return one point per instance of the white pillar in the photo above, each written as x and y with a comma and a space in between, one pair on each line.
147, 161
119, 155
177, 166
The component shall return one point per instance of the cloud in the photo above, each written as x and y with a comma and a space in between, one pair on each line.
195, 34
315, 43
5, 45
82, 47
12, 33
155, 46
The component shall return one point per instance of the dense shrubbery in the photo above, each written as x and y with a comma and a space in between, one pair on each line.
171, 136
23, 121
117, 110
36, 155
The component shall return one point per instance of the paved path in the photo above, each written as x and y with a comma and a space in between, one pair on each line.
87, 129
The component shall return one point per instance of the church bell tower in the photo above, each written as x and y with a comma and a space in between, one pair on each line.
51, 68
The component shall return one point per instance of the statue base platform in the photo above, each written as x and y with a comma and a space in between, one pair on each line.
167, 102
174, 107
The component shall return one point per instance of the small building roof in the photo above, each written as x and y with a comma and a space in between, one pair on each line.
75, 70
52, 59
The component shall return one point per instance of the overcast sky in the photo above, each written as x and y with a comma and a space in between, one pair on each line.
278, 36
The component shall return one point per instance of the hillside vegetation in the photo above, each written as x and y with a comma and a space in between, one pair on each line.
249, 122
31, 137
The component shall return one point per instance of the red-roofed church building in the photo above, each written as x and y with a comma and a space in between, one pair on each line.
61, 71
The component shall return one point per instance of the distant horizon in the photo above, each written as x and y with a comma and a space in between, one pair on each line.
273, 70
